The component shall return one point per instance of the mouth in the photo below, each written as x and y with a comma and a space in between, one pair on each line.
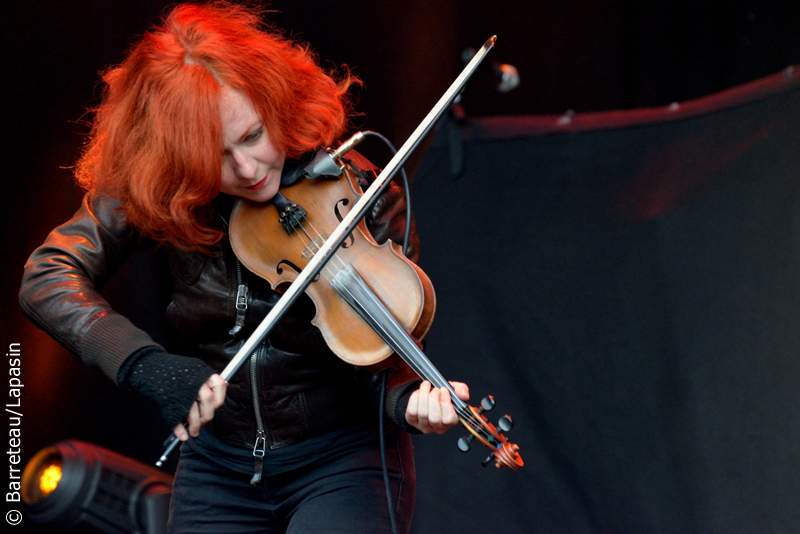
258, 185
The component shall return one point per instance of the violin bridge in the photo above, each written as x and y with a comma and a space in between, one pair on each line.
313, 247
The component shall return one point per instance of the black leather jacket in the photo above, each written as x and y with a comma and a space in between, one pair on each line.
301, 389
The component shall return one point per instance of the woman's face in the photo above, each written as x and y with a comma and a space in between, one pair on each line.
251, 164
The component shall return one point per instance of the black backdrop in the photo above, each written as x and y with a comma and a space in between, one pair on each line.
626, 285
627, 294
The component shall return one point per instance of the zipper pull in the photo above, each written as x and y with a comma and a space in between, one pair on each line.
261, 444
258, 452
241, 308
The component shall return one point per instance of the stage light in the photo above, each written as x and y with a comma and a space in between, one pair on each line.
77, 486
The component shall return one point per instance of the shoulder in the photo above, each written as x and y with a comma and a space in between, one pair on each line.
104, 212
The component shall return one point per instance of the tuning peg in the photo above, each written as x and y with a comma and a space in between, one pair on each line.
489, 459
486, 404
505, 423
465, 443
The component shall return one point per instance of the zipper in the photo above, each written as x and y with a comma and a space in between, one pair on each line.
241, 300
241, 291
259, 449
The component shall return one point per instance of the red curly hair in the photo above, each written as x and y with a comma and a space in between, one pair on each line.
155, 142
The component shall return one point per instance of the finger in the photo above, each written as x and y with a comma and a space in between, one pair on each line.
216, 380
422, 405
218, 388
449, 416
219, 394
180, 432
211, 396
193, 420
434, 410
445, 416
462, 390
206, 404
412, 410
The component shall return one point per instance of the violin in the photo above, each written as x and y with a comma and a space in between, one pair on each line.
372, 302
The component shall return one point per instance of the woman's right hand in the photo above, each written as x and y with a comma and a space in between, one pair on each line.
209, 398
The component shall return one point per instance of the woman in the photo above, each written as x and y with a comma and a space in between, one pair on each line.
207, 108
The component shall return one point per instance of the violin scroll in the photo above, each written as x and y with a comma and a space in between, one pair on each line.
505, 453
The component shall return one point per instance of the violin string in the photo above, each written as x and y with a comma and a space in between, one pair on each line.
318, 234
308, 246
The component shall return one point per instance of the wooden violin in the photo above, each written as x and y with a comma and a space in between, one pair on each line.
371, 300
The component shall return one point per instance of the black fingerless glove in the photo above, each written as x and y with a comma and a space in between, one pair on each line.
171, 381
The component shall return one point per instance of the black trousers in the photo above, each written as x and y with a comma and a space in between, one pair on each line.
343, 494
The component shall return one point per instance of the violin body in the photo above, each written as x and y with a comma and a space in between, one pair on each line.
266, 248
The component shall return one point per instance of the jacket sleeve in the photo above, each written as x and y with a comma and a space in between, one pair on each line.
401, 382
62, 280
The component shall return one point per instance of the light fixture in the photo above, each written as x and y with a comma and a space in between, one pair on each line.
75, 485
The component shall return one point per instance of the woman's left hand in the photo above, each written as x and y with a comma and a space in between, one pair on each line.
430, 409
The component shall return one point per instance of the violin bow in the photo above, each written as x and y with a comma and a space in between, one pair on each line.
348, 224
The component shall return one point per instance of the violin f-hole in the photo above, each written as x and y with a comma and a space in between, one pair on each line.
295, 268
343, 202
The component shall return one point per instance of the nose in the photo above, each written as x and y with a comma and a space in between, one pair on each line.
244, 166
